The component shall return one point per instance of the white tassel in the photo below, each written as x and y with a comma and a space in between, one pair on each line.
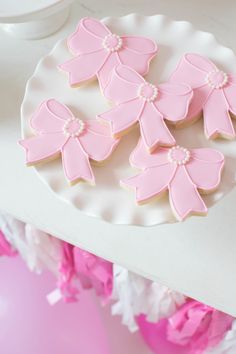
45, 251
136, 295
127, 288
162, 302
38, 249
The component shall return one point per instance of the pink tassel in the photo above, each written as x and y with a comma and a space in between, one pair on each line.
5, 247
94, 272
198, 325
154, 334
68, 276
193, 329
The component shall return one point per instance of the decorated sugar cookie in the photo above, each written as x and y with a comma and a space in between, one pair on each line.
182, 172
214, 94
97, 51
139, 101
59, 132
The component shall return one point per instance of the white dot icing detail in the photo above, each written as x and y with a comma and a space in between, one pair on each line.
154, 89
219, 85
75, 132
107, 45
183, 151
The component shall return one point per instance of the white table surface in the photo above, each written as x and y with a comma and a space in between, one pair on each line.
196, 257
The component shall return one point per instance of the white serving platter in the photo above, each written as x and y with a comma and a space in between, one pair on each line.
108, 200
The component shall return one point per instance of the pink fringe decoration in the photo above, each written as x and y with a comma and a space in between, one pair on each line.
154, 335
69, 291
78, 266
5, 247
193, 329
94, 272
198, 325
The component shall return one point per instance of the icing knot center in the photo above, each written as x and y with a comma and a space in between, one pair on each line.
179, 155
217, 79
112, 42
148, 92
73, 127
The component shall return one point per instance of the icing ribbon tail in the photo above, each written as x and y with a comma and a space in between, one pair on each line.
70, 67
163, 136
192, 205
133, 182
40, 147
217, 120
185, 200
84, 66
154, 131
123, 116
223, 126
77, 70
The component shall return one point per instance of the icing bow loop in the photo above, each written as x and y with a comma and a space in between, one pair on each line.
97, 51
214, 94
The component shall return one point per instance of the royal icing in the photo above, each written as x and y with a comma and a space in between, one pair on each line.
139, 101
180, 171
59, 132
214, 94
97, 51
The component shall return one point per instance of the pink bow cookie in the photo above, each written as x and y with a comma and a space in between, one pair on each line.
180, 171
140, 101
97, 51
59, 132
214, 94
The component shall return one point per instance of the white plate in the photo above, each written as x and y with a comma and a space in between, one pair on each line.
108, 200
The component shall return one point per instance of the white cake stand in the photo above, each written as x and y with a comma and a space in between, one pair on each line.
108, 200
33, 19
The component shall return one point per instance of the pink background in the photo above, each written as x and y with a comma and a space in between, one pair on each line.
29, 325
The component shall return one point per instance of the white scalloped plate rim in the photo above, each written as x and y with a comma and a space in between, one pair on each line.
97, 201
